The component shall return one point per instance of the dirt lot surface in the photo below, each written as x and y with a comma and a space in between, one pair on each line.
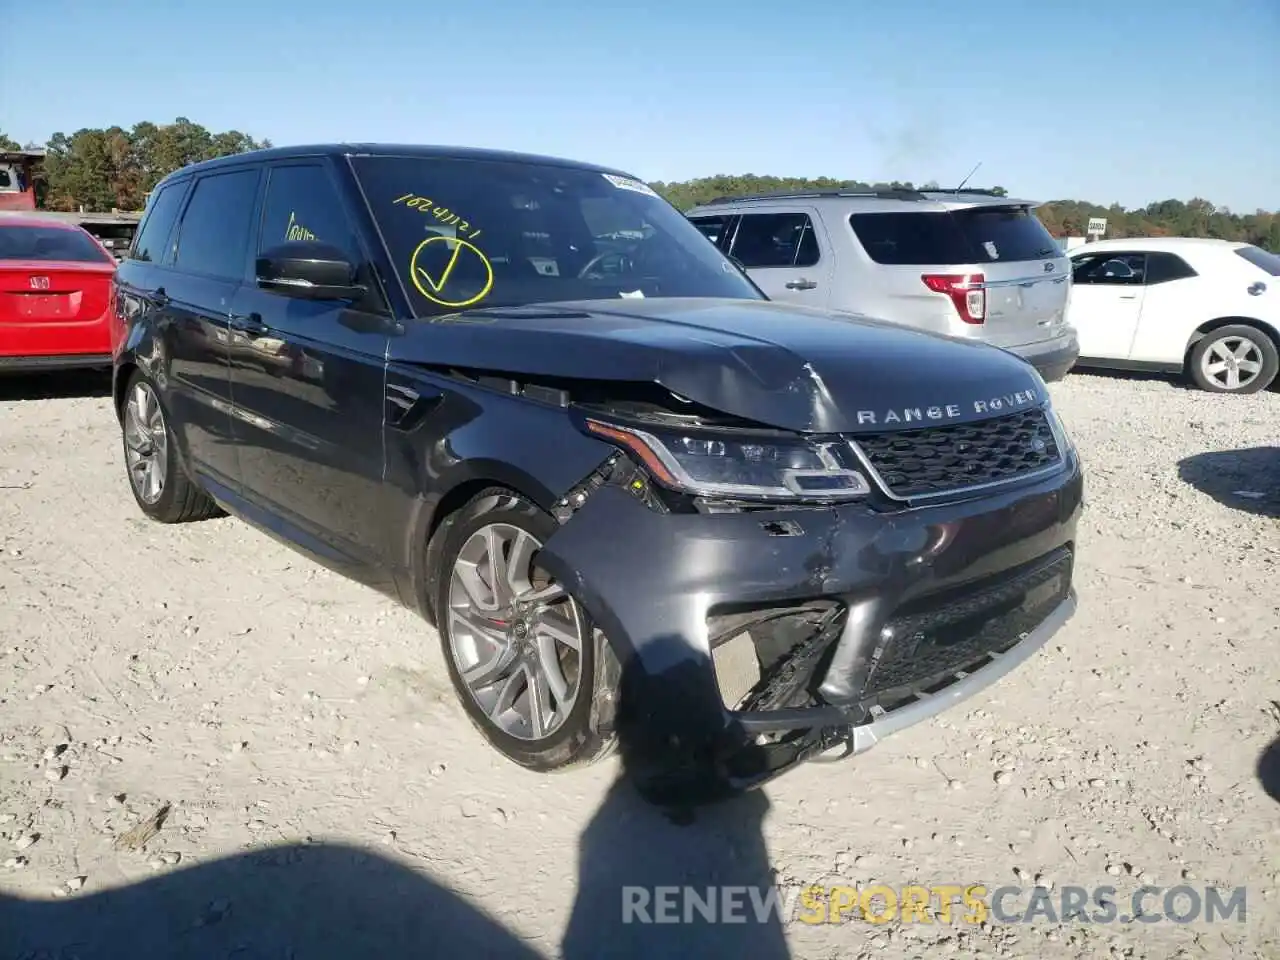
211, 747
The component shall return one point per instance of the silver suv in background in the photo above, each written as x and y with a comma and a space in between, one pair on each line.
964, 263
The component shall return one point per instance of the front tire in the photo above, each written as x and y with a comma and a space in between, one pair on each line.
160, 485
532, 672
1234, 359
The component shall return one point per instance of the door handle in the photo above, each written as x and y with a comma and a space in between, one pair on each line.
250, 323
1128, 296
801, 284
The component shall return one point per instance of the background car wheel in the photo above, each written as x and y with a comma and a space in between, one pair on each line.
533, 673
161, 487
1234, 359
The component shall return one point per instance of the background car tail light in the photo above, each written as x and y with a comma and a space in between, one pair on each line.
965, 290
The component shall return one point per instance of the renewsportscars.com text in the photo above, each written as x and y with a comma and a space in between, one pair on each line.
940, 903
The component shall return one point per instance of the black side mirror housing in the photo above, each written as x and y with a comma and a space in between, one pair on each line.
308, 269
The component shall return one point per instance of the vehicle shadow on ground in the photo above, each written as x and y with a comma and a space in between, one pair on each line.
1247, 480
323, 900
63, 385
1269, 769
290, 901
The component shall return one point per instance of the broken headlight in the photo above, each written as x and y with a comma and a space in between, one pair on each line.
741, 465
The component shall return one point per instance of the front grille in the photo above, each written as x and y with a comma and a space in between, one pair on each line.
940, 460
936, 638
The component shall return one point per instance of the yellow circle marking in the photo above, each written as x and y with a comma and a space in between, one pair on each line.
430, 286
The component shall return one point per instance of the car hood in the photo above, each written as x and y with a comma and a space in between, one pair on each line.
780, 365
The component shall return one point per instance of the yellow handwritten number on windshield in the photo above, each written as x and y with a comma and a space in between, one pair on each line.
433, 285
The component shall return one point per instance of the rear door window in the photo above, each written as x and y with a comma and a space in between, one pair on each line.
716, 229
775, 240
1270, 262
1163, 267
213, 239
152, 241
911, 239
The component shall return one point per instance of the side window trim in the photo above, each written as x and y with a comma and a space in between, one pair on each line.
182, 188
256, 168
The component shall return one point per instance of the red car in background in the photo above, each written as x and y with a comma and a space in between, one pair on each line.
55, 296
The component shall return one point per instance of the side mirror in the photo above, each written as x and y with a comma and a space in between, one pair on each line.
309, 269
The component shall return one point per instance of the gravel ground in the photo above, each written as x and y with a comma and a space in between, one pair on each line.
211, 747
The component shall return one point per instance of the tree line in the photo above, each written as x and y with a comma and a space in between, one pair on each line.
115, 168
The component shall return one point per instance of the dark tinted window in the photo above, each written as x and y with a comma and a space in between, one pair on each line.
1163, 267
303, 204
1001, 234
775, 240
1109, 269
713, 228
157, 225
971, 235
493, 233
911, 238
213, 238
49, 243
1270, 262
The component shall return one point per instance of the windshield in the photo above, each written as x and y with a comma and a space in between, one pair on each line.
465, 234
48, 243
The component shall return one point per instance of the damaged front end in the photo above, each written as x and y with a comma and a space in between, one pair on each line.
775, 597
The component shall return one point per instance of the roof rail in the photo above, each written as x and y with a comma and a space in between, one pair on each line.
888, 194
984, 191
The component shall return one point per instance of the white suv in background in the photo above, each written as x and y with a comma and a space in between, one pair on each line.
964, 263
1209, 308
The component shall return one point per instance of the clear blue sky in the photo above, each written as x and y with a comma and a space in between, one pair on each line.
1127, 102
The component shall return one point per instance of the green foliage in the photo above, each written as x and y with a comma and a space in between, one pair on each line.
1167, 218
8, 143
101, 169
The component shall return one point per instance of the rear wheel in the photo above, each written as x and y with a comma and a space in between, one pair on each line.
1234, 359
534, 675
160, 486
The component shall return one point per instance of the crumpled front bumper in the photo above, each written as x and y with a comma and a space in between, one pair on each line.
655, 582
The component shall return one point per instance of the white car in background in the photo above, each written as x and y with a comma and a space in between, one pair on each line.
1207, 308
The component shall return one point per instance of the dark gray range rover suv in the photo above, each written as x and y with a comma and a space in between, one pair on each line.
641, 503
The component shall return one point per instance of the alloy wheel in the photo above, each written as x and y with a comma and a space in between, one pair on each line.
1232, 362
146, 443
515, 635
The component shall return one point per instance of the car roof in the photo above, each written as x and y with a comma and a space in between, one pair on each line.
887, 200
1157, 243
26, 218
423, 151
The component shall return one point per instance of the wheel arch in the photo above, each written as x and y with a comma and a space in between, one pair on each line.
429, 544
1269, 330
120, 377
